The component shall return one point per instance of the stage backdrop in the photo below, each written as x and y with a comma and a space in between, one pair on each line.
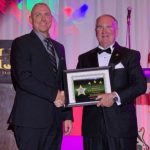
73, 25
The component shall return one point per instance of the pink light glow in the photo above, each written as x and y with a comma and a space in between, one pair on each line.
2, 6
68, 11
147, 72
15, 11
149, 58
77, 113
143, 99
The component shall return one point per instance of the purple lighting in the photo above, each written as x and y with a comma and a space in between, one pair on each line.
83, 10
72, 143
147, 73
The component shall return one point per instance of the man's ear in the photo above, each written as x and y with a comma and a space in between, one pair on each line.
117, 32
30, 19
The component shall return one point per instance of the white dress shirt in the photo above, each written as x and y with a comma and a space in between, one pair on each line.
103, 60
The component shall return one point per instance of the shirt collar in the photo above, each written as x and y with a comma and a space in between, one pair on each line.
111, 47
40, 35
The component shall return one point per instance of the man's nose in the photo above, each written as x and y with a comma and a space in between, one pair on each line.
43, 18
104, 29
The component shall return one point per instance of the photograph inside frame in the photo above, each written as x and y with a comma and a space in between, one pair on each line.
83, 85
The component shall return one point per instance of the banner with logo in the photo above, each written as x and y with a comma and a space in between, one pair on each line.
5, 61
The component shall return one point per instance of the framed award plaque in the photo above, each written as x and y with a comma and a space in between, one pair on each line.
83, 85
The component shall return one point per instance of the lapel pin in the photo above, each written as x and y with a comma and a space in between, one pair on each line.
117, 55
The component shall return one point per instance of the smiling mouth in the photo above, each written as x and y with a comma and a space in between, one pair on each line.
105, 36
43, 23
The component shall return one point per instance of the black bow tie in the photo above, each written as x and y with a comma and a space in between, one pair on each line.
108, 50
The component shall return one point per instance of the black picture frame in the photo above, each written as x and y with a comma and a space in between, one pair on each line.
83, 85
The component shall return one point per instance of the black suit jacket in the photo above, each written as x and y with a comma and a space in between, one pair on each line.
129, 82
35, 83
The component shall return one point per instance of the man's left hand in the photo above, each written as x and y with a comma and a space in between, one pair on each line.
67, 127
106, 100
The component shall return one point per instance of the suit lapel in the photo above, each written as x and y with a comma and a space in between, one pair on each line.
115, 59
116, 55
93, 58
38, 44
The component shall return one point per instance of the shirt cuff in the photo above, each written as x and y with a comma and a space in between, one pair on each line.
118, 101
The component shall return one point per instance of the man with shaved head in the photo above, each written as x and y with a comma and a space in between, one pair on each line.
37, 64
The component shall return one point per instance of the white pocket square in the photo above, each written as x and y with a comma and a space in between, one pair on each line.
119, 66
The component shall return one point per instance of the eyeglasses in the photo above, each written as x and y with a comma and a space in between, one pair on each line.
101, 27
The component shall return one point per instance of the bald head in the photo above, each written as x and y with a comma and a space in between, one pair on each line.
108, 16
39, 4
41, 18
106, 30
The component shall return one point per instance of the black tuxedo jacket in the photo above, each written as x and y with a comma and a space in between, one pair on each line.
128, 81
35, 83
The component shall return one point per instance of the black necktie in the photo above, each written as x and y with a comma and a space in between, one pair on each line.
50, 49
108, 50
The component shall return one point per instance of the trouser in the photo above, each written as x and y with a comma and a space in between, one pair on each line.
105, 142
38, 139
